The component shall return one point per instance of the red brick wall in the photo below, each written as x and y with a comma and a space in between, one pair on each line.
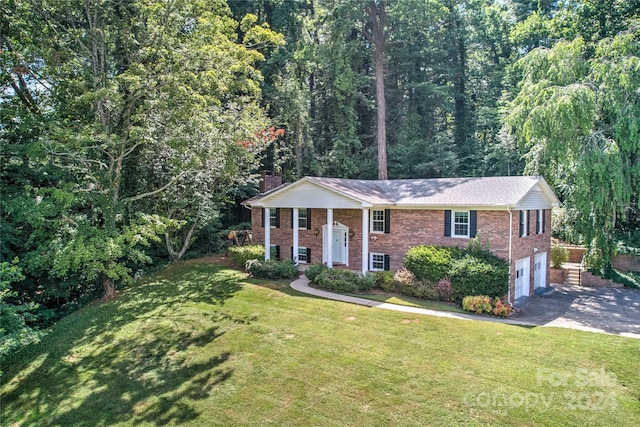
411, 227
522, 247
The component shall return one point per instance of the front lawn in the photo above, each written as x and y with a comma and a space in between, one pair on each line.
199, 344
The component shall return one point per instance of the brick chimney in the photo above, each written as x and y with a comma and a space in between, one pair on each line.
269, 180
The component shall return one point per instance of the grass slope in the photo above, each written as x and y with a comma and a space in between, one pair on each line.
199, 344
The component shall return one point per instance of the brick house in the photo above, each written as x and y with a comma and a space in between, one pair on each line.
342, 222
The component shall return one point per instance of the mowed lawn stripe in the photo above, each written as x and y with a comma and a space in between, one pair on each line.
200, 344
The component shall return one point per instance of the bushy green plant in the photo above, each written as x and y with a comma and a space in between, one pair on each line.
239, 255
272, 269
366, 281
337, 280
313, 270
384, 281
477, 303
429, 262
559, 254
406, 283
485, 275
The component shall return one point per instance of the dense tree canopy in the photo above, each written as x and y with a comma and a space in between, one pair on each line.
130, 129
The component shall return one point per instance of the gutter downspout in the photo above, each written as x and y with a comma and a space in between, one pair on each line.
510, 237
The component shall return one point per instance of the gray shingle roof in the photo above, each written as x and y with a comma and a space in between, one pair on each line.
500, 191
485, 191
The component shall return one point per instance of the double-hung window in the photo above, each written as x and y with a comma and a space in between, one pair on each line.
540, 221
303, 255
378, 262
524, 223
302, 219
460, 224
273, 217
377, 221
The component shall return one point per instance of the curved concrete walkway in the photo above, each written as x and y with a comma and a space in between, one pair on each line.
302, 285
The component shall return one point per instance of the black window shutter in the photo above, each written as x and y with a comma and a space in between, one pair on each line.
387, 221
278, 252
521, 223
309, 255
528, 219
308, 218
263, 214
292, 252
447, 223
292, 218
277, 217
473, 223
387, 261
542, 219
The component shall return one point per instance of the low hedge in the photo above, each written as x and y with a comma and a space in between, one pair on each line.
271, 269
337, 280
473, 271
239, 255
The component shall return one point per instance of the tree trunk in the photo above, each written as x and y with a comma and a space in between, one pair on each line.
109, 289
378, 20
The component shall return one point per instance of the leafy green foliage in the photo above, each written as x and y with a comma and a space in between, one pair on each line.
314, 270
559, 255
271, 269
429, 262
576, 118
478, 304
366, 281
385, 280
471, 275
14, 330
239, 255
337, 280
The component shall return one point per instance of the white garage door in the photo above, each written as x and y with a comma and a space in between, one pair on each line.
540, 270
522, 277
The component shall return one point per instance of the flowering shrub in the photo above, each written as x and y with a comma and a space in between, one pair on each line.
478, 304
445, 291
501, 309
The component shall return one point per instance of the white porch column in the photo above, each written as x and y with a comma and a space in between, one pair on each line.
295, 235
329, 241
267, 234
365, 240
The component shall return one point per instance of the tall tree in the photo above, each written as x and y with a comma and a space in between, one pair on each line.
377, 23
128, 81
577, 118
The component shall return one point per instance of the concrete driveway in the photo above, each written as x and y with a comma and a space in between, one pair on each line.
610, 310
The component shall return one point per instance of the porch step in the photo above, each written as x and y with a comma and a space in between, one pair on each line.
573, 277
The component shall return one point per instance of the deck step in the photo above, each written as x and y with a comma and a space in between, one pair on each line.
573, 277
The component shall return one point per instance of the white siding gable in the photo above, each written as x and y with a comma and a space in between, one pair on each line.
535, 199
305, 194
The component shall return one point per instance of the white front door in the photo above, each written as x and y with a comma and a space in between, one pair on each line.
339, 244
540, 270
522, 277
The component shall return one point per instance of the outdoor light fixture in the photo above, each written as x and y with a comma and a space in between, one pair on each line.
316, 231
351, 234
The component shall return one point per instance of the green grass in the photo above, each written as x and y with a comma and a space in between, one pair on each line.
410, 302
199, 344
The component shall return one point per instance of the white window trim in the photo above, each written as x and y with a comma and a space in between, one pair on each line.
540, 221
302, 249
453, 225
275, 216
306, 227
525, 215
371, 255
371, 230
